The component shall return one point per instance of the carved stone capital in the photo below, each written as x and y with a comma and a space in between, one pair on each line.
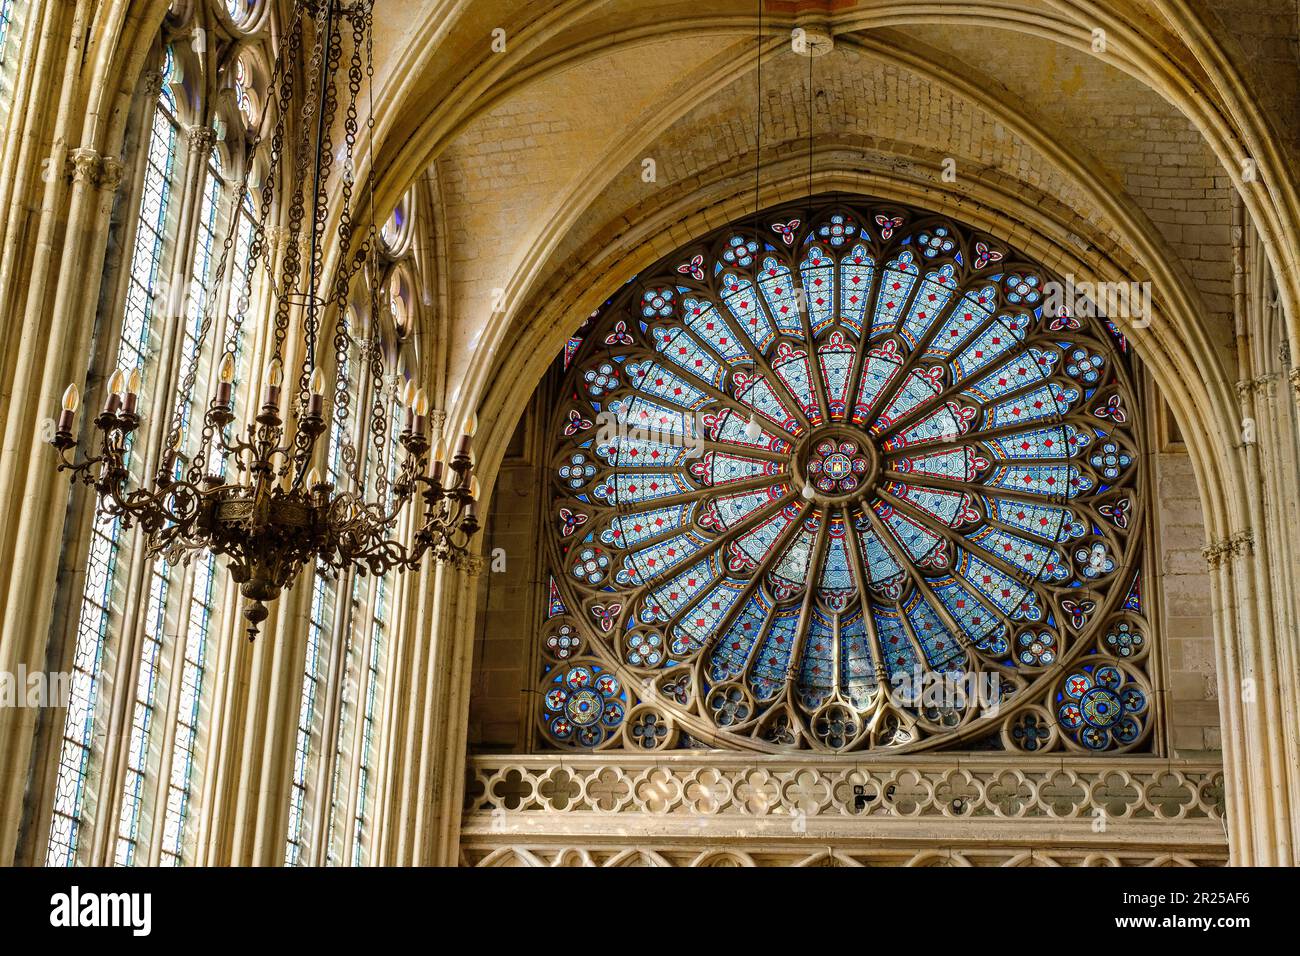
1294, 375
86, 165
111, 171
438, 419
152, 81
202, 139
82, 165
1238, 544
1246, 388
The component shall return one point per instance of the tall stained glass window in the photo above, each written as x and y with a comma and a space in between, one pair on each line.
860, 479
146, 703
320, 624
138, 330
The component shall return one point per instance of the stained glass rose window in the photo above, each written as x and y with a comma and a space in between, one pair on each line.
862, 480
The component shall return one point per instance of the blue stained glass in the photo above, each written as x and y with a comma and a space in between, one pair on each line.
884, 573
931, 298
817, 662
969, 314
778, 290
658, 382
672, 596
741, 300
938, 644
732, 650
773, 658
1002, 337
920, 544
701, 622
1046, 401
757, 394
1055, 480
878, 374
679, 347
656, 560
919, 387
896, 283
792, 368
732, 509
943, 424
857, 669
836, 359
817, 272
1031, 557
836, 586
896, 650
945, 506
1055, 441
629, 489
856, 272
954, 464
629, 531
757, 543
1029, 367
970, 613
709, 327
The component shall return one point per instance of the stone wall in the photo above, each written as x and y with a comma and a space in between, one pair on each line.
1186, 623
510, 594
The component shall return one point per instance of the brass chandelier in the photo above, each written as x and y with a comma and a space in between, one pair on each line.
274, 513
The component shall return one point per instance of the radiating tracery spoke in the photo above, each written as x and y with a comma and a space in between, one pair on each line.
819, 475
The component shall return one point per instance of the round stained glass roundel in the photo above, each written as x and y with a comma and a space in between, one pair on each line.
869, 479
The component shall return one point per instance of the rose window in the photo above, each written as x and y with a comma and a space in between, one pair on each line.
860, 482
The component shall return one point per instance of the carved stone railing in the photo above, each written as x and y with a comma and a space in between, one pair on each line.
690, 806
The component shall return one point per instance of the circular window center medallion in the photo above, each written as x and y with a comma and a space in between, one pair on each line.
1100, 707
583, 707
838, 464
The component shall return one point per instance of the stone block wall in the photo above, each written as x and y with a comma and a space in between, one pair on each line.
1186, 625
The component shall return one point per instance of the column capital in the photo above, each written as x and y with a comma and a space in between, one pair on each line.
202, 139
86, 165
1237, 544
152, 82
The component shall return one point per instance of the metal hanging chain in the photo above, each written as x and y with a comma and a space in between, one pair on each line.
323, 166
185, 393
379, 413
347, 271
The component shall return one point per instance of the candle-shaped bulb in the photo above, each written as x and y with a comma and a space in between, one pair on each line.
408, 394
473, 487
471, 424
440, 450
226, 373
421, 405
313, 477
274, 373
317, 382
178, 439
115, 382
71, 398
133, 382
